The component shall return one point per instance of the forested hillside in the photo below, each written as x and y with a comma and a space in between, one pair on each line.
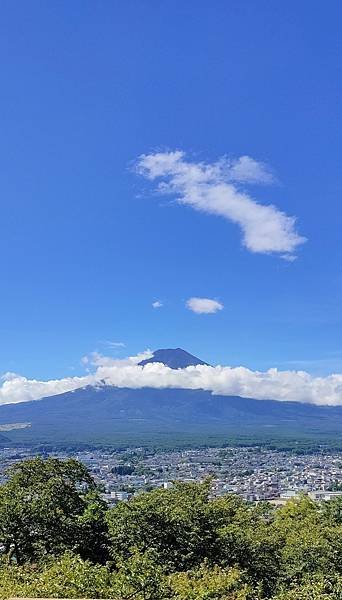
112, 415
59, 539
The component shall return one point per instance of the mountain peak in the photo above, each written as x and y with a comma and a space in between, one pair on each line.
175, 358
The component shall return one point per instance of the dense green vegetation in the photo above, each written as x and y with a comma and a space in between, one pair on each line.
304, 444
58, 539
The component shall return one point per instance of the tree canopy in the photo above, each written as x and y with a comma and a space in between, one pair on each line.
59, 539
49, 506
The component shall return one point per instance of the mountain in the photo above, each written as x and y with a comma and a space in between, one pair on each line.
108, 414
175, 358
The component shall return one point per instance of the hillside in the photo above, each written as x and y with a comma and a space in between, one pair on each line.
100, 414
107, 413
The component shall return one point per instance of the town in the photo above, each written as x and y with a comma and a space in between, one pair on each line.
254, 473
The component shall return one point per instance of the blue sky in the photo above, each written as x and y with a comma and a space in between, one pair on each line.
87, 244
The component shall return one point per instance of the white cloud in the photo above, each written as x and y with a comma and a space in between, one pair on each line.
98, 360
16, 388
114, 344
203, 305
157, 304
247, 170
271, 384
214, 188
293, 385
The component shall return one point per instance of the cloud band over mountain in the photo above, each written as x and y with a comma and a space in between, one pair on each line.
273, 384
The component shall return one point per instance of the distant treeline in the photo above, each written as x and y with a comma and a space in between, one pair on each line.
168, 442
59, 539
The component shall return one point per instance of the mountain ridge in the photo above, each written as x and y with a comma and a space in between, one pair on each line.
104, 413
175, 358
100, 414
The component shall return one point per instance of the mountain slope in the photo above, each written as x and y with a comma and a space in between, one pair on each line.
91, 414
107, 413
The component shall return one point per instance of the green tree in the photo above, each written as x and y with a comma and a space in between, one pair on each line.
310, 544
214, 583
66, 577
314, 587
71, 577
181, 525
332, 510
249, 541
48, 506
141, 577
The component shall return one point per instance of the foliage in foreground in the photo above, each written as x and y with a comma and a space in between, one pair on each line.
49, 506
139, 577
58, 539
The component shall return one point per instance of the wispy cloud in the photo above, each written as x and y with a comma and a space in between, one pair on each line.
157, 304
99, 360
247, 170
111, 344
215, 188
203, 305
